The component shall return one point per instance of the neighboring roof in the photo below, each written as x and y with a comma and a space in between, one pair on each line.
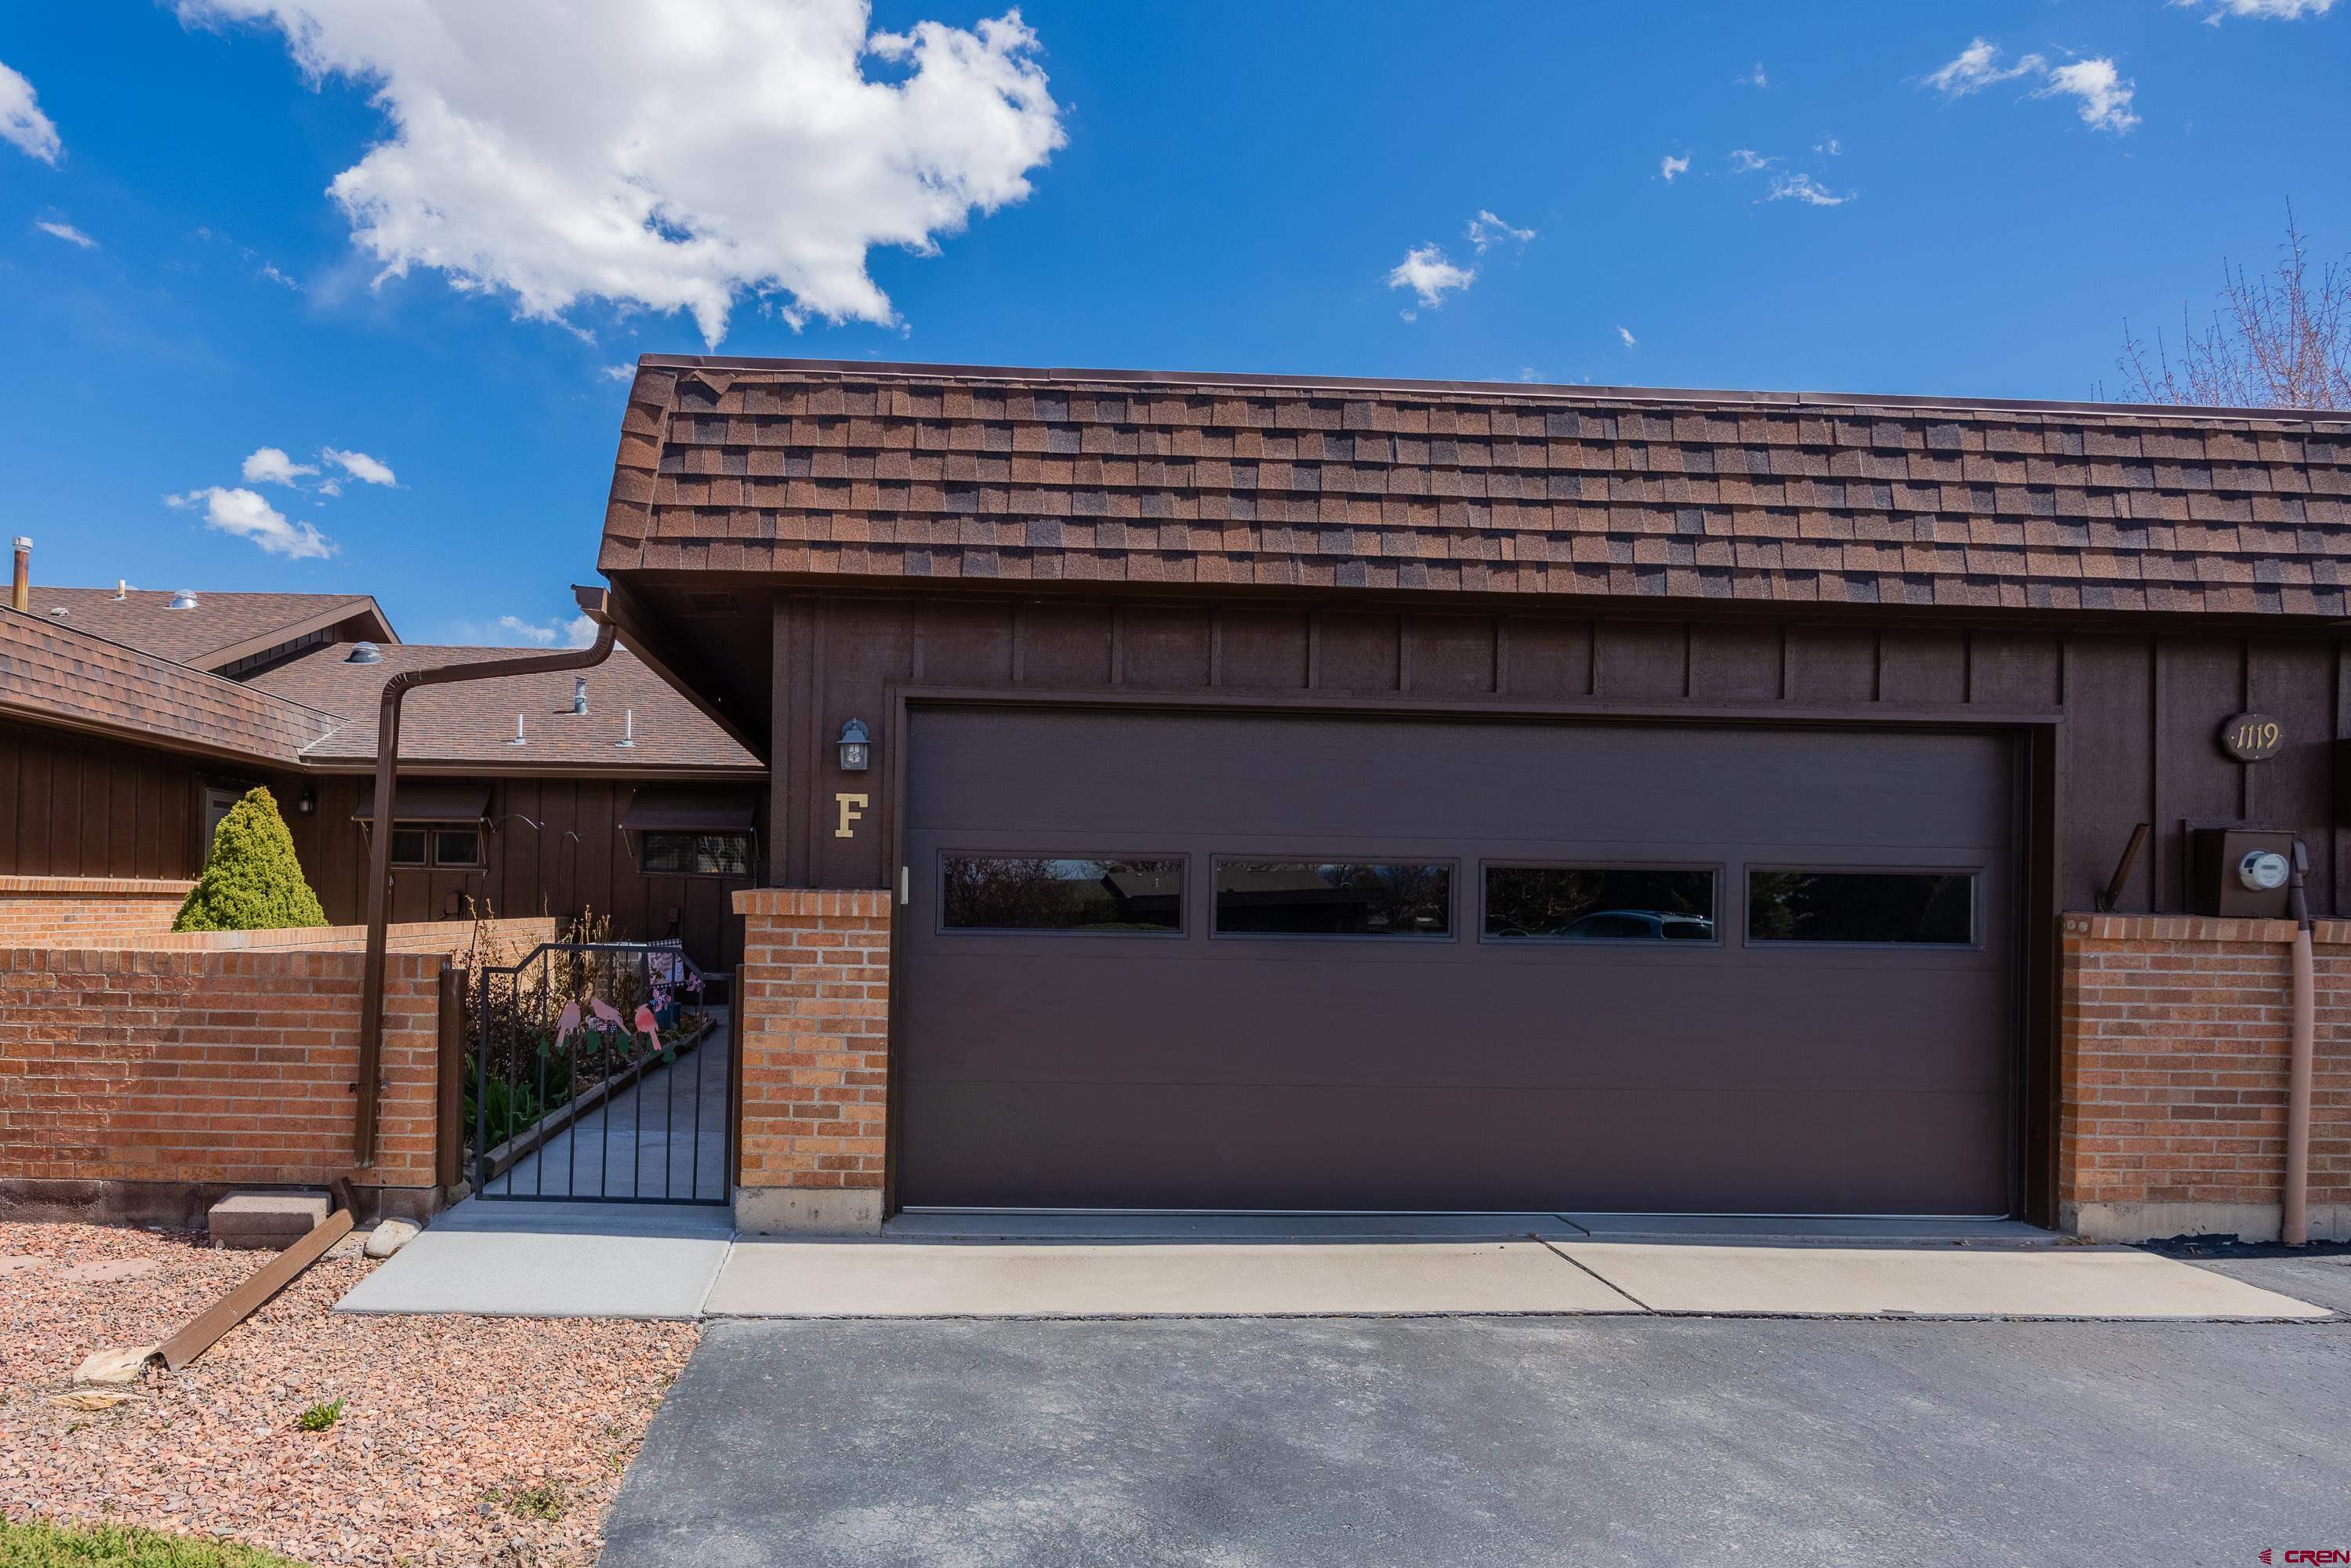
222, 629
54, 675
474, 722
834, 469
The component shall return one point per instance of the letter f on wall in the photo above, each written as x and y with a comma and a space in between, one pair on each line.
850, 812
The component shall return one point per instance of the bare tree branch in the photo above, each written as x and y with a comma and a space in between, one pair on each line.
2281, 340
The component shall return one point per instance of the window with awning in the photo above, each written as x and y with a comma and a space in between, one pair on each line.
437, 821
684, 831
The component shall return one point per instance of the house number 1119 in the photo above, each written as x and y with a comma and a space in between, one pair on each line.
2251, 736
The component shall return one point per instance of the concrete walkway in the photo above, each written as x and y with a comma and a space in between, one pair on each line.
555, 1260
664, 1262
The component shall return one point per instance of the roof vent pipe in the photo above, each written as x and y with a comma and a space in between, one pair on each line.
20, 594
364, 653
182, 600
519, 739
121, 588
579, 694
628, 728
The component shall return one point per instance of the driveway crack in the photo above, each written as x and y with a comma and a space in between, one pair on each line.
1577, 1263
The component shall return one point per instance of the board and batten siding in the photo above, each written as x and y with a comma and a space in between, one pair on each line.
81, 805
2140, 709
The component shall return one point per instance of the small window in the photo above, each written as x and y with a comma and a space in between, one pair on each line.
1026, 893
1598, 903
696, 854
431, 843
1334, 898
1937, 908
456, 846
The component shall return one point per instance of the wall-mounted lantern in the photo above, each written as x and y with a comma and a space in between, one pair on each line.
310, 800
856, 748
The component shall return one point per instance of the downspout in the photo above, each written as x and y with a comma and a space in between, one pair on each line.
2294, 1227
387, 779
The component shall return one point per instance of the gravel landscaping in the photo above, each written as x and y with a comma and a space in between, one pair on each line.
457, 1441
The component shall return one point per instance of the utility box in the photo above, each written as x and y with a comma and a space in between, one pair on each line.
2231, 871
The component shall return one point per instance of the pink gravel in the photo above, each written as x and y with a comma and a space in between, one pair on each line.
446, 1420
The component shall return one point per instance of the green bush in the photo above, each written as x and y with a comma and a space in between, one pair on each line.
252, 880
111, 1546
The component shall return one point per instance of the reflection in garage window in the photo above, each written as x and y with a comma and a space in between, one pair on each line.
1334, 898
1585, 904
1021, 892
1935, 907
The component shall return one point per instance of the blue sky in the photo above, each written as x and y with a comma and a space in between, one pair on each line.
1181, 185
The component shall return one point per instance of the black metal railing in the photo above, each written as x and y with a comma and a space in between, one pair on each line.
599, 1073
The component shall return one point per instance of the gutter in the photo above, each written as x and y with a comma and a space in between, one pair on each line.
2293, 1209
592, 602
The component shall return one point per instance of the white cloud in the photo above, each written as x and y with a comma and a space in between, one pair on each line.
2105, 92
1670, 166
1487, 230
1747, 161
619, 373
1978, 66
245, 514
2268, 10
670, 155
67, 233
1829, 148
1626, 333
1756, 77
270, 465
1429, 276
22, 123
358, 465
574, 632
1805, 188
269, 271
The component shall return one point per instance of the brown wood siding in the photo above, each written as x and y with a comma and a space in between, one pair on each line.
78, 805
2141, 710
573, 860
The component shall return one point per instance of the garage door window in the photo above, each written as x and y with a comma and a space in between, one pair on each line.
1598, 903
1929, 908
1027, 892
1334, 898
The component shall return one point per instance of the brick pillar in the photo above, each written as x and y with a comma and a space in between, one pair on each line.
2174, 1061
813, 1104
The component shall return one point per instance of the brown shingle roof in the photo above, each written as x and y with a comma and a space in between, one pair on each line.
475, 722
52, 675
831, 469
220, 630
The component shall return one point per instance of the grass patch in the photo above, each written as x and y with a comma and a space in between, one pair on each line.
318, 1418
111, 1546
542, 1503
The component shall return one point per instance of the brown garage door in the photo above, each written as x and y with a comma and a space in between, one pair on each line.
1216, 961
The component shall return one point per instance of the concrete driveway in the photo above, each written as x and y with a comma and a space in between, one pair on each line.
1501, 1440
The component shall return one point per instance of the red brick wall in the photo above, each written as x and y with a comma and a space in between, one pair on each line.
815, 994
217, 1058
2174, 1076
86, 909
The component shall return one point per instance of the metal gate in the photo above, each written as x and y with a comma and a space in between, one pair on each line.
600, 1074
